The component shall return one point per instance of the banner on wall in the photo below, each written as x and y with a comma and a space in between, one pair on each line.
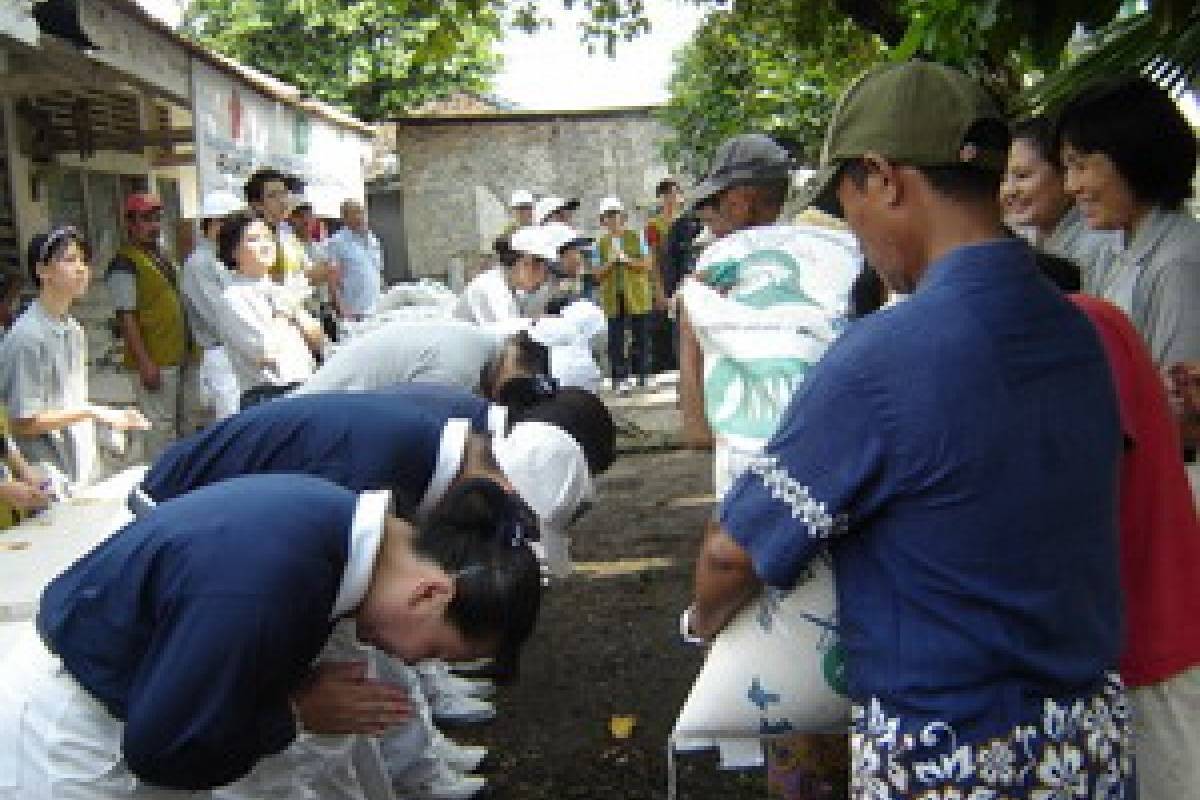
239, 130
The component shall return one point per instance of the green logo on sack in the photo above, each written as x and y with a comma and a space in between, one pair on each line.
833, 668
762, 279
746, 397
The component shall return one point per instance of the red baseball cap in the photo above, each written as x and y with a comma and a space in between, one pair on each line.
141, 202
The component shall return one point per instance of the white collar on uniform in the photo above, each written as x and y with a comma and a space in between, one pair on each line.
366, 534
449, 459
497, 419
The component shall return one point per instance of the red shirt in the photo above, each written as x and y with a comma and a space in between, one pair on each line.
1160, 534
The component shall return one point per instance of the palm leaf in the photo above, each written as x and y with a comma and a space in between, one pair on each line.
1161, 44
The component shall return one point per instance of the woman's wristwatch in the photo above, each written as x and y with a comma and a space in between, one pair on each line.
685, 628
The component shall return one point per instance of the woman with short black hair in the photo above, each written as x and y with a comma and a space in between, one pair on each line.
271, 344
1130, 156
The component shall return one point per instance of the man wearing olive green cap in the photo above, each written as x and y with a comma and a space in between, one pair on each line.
957, 456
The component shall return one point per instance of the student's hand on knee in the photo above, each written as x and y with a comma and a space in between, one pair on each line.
341, 699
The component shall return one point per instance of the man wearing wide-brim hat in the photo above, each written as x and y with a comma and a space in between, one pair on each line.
957, 456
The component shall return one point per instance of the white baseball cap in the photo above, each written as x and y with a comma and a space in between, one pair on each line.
611, 204
521, 197
220, 203
547, 468
535, 241
548, 205
561, 234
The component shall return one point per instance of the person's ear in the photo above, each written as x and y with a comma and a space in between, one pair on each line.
431, 593
883, 180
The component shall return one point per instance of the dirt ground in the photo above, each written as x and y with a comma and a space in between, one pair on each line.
607, 645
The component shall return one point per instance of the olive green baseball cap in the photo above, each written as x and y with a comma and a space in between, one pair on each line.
917, 113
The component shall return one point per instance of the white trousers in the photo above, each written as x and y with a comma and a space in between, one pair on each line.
56, 741
1167, 737
218, 384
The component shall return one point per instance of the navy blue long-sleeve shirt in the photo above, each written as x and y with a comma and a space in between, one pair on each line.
446, 400
360, 440
195, 623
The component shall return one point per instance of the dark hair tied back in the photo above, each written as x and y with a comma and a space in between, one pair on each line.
525, 391
478, 533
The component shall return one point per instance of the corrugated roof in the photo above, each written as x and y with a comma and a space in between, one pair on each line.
260, 81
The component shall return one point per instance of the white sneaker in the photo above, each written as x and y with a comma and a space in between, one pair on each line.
457, 709
478, 665
471, 687
445, 783
626, 387
436, 678
459, 757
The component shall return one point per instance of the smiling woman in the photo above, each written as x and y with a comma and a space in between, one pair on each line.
1130, 155
1036, 201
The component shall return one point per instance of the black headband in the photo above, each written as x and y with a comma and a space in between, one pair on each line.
53, 238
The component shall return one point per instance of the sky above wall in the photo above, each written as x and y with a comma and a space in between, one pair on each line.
552, 70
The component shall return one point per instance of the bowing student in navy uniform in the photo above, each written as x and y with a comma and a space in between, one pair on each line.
536, 398
376, 440
178, 653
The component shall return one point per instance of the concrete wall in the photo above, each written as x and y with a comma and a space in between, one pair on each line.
456, 176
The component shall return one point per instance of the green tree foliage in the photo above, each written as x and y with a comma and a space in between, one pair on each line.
375, 58
778, 66
774, 68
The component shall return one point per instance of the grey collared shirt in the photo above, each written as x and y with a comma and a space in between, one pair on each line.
1073, 240
43, 368
1156, 281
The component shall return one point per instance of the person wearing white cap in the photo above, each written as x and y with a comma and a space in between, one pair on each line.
497, 294
204, 278
569, 245
554, 209
521, 206
625, 293
547, 468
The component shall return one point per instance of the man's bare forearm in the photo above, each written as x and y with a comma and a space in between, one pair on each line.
725, 582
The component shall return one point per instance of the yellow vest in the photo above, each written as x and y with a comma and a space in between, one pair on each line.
159, 312
621, 281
